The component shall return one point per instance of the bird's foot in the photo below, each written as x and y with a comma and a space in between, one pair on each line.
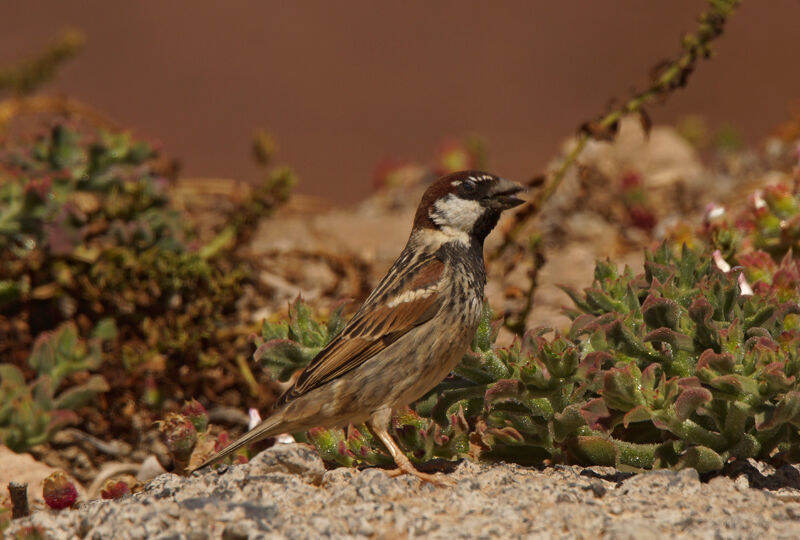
438, 479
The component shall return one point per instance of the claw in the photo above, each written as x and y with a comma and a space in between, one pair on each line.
438, 479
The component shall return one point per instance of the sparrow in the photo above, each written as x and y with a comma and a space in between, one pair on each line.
411, 331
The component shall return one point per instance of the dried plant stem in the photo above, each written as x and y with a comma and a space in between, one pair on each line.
19, 499
13, 107
30, 74
674, 75
517, 323
671, 76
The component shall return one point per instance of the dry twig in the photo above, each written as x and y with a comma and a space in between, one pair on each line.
667, 77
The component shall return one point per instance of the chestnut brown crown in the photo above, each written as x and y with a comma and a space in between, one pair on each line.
466, 203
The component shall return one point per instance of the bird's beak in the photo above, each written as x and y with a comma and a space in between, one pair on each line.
501, 195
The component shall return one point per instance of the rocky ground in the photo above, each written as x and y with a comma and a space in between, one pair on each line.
285, 492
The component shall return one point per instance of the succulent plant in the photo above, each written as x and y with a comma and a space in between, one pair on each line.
59, 492
31, 412
114, 489
285, 347
770, 222
690, 363
118, 487
180, 436
88, 237
221, 441
634, 198
196, 414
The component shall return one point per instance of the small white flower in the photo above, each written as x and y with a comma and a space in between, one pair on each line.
255, 418
714, 211
721, 263
758, 200
744, 286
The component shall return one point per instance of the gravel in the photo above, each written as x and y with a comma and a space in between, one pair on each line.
285, 492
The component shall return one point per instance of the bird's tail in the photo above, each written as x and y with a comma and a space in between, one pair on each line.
269, 427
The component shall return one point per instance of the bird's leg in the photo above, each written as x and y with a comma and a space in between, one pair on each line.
378, 425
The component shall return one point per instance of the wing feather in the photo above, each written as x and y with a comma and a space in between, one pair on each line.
376, 325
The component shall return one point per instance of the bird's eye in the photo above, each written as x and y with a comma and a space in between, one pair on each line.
468, 187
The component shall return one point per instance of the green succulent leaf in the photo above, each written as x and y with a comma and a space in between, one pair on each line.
691, 399
703, 459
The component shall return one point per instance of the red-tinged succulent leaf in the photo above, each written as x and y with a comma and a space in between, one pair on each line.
579, 300
642, 216
58, 491
656, 271
640, 413
341, 448
79, 395
718, 363
689, 382
593, 362
223, 440
757, 261
114, 488
700, 311
652, 383
60, 419
775, 375
506, 435
622, 337
581, 325
691, 399
179, 435
621, 388
594, 413
503, 389
196, 413
735, 384
671, 389
787, 411
677, 340
599, 300
567, 422
651, 375
661, 312
283, 357
561, 363
278, 347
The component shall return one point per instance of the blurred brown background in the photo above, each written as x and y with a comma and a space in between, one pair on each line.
345, 84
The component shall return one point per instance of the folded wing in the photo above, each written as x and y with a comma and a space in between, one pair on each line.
391, 311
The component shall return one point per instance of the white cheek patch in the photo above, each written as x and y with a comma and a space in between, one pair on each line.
456, 215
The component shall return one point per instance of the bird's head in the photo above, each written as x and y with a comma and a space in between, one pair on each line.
466, 204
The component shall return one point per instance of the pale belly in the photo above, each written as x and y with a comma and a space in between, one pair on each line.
397, 376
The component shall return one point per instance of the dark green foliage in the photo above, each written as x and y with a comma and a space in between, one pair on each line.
30, 413
85, 228
677, 366
88, 237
